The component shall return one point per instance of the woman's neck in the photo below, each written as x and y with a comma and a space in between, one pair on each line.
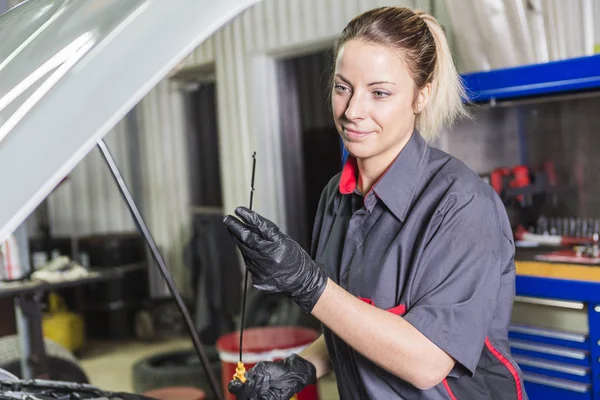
369, 172
372, 168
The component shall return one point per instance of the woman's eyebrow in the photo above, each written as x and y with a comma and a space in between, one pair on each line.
342, 78
380, 82
370, 84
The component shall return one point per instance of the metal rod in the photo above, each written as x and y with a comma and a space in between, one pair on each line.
139, 220
24, 335
246, 273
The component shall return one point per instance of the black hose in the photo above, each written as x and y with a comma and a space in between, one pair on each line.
139, 220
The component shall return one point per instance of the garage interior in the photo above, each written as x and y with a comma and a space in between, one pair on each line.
261, 83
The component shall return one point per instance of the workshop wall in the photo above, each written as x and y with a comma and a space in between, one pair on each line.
89, 202
493, 34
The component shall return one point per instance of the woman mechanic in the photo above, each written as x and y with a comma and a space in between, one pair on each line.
411, 271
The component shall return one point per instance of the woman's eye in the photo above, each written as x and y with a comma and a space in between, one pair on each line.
340, 88
380, 95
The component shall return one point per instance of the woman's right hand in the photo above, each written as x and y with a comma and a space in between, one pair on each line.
278, 380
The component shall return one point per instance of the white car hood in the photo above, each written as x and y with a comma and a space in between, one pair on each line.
71, 69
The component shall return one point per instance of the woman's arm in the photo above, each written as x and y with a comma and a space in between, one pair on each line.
317, 354
384, 338
278, 264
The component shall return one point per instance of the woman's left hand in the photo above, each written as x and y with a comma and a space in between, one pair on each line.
277, 263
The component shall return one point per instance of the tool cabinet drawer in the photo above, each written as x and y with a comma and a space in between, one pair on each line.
543, 387
552, 314
554, 337
547, 336
547, 352
552, 369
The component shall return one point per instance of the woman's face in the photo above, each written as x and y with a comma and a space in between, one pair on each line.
372, 99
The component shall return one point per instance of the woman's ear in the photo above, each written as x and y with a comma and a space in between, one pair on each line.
422, 98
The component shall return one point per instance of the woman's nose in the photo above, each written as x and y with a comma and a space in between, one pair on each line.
355, 109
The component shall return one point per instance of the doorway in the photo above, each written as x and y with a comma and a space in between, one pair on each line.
210, 255
311, 145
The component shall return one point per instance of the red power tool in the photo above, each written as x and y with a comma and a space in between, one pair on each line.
523, 190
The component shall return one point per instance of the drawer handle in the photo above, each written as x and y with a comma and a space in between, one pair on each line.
551, 366
574, 305
528, 330
554, 350
557, 383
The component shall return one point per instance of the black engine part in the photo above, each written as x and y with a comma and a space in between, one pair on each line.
56, 390
62, 364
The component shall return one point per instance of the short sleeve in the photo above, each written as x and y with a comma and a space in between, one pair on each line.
457, 279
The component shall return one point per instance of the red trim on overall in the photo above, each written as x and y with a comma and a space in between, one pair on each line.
508, 365
398, 310
349, 176
448, 390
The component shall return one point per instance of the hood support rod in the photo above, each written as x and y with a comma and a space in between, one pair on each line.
139, 220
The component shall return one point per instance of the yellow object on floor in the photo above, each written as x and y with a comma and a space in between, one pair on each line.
62, 326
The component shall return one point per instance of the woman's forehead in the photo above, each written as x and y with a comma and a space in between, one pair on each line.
360, 60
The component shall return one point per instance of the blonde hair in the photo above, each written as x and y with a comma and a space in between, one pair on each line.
427, 55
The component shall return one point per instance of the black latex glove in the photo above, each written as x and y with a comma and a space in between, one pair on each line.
277, 263
278, 380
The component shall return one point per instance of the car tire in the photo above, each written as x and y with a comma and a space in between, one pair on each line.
62, 364
175, 368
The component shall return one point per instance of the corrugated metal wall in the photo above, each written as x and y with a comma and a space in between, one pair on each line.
164, 174
88, 201
495, 34
597, 26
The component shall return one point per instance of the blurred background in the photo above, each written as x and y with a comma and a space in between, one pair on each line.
260, 84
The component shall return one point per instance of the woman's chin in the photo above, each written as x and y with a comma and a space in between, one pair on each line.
359, 150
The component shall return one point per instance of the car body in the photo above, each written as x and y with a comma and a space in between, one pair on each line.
70, 70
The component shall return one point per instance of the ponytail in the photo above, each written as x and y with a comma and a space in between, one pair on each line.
446, 101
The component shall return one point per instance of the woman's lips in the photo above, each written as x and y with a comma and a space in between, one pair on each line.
355, 135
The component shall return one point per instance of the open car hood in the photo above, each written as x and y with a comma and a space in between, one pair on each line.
71, 69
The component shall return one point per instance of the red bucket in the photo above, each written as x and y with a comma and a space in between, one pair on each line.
264, 344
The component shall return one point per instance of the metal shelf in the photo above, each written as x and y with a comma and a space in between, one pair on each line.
556, 77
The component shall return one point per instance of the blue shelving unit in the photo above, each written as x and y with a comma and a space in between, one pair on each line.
551, 78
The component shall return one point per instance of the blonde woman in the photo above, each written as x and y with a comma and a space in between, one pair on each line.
411, 271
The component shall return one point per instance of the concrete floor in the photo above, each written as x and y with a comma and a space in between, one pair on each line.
109, 364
